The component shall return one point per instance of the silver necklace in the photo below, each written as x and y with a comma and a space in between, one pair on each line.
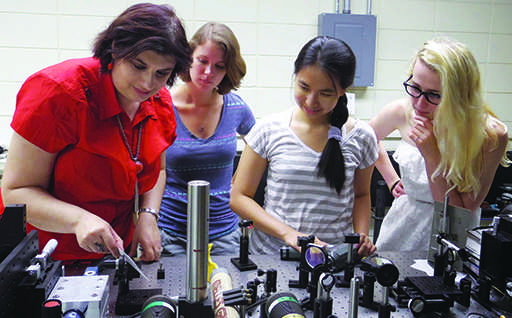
135, 158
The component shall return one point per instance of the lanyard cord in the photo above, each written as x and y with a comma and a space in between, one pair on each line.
135, 158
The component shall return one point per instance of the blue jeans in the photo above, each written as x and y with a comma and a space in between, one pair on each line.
225, 245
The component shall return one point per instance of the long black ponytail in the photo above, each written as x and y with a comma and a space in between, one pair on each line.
336, 58
332, 162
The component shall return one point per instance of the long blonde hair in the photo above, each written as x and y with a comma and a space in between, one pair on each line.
461, 120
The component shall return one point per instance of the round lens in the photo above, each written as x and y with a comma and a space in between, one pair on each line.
315, 256
327, 281
387, 275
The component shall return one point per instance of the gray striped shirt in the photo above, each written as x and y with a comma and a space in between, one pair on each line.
294, 193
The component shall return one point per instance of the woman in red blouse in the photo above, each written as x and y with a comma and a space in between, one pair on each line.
88, 149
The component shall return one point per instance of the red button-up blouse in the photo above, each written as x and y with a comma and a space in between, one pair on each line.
70, 109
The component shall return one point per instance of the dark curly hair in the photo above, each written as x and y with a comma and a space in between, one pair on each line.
145, 27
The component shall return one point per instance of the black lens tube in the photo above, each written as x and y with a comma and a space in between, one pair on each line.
159, 306
282, 304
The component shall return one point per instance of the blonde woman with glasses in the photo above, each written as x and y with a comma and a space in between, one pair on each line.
451, 144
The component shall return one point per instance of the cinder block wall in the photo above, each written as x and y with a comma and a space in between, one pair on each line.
38, 33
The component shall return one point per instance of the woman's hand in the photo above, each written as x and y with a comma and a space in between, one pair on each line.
366, 247
97, 236
398, 189
291, 239
422, 134
148, 236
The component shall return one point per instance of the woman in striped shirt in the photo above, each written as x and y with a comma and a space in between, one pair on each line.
319, 160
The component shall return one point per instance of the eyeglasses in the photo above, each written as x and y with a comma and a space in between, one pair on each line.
416, 92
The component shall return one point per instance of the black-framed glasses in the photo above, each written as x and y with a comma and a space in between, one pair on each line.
416, 92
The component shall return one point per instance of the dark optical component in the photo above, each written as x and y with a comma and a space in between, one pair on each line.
282, 304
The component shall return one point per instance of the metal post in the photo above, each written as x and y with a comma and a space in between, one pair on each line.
380, 208
346, 7
198, 212
353, 304
369, 7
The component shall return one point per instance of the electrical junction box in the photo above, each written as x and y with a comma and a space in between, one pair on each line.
359, 32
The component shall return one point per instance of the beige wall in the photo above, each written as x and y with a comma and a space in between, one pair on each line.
37, 33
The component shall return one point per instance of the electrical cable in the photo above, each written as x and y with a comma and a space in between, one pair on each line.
481, 227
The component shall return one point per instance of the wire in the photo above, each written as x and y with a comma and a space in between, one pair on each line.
481, 228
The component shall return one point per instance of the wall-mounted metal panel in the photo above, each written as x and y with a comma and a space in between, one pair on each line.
359, 32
